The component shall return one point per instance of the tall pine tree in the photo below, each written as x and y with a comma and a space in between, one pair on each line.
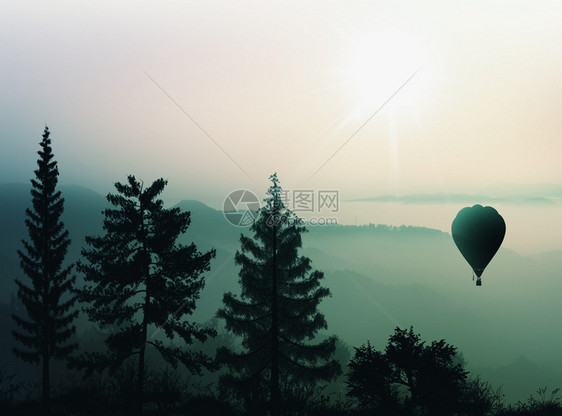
47, 297
276, 313
138, 278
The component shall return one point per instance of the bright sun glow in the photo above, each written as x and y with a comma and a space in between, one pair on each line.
382, 62
379, 65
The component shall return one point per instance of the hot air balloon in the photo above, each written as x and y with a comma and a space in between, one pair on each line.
478, 233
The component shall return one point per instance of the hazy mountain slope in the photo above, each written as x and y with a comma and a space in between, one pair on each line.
379, 277
521, 378
209, 228
81, 217
516, 306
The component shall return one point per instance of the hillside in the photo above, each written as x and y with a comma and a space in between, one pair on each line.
379, 277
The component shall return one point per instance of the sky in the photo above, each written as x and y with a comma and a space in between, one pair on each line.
369, 98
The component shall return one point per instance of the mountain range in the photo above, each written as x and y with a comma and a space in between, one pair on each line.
380, 277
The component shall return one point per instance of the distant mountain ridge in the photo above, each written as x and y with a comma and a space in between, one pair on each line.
444, 198
414, 274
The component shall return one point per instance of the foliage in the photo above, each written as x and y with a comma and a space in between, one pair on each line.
542, 405
276, 314
47, 326
408, 377
480, 399
138, 278
9, 390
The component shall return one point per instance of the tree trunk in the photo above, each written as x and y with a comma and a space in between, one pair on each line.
140, 381
144, 325
275, 394
45, 403
45, 382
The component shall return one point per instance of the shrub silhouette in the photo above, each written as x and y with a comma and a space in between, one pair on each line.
409, 377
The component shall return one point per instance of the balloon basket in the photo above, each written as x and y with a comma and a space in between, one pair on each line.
478, 282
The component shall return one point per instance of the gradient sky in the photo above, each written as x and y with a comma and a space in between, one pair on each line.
281, 85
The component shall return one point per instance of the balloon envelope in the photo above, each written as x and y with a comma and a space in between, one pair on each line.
478, 233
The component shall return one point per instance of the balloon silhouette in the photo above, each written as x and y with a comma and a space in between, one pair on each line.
478, 233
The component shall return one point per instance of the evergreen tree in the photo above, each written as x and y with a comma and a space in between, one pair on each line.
138, 278
276, 314
48, 297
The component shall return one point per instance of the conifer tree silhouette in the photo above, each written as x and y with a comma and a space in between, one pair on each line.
138, 278
276, 314
48, 296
